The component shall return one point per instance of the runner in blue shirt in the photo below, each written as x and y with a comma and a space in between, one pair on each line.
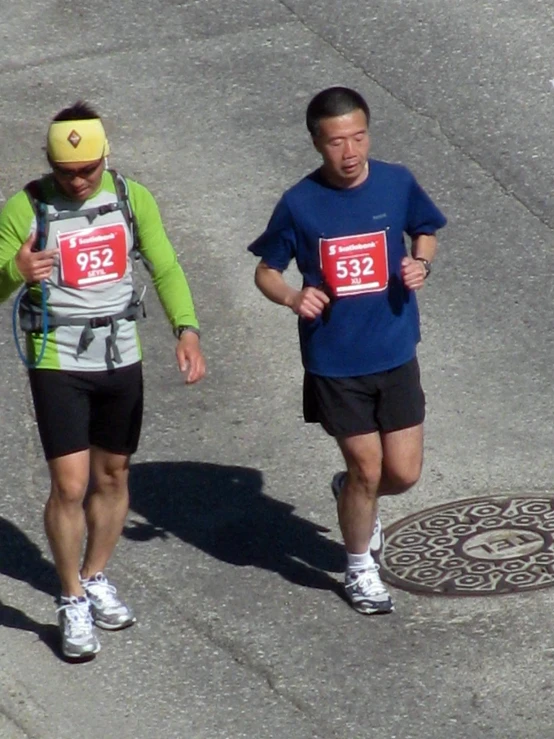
345, 225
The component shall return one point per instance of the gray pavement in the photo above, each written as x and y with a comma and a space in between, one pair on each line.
232, 553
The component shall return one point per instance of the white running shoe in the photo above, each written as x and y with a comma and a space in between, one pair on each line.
78, 638
377, 541
108, 611
365, 591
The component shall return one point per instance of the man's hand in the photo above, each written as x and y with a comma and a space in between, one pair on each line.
413, 273
309, 302
34, 265
190, 358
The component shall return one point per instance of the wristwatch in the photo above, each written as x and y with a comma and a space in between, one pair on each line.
178, 331
427, 264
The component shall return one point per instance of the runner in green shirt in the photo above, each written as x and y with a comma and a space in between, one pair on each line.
72, 239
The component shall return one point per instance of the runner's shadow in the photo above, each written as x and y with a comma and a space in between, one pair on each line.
13, 618
222, 511
21, 559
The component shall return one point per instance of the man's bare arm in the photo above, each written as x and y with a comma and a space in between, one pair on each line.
307, 303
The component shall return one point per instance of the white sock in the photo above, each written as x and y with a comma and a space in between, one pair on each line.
67, 598
357, 562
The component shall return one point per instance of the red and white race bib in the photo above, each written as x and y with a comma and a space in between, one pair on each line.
352, 265
92, 256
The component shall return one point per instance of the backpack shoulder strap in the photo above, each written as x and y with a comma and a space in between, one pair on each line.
33, 191
122, 191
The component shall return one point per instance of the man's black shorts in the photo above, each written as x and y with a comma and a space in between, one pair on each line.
349, 406
76, 410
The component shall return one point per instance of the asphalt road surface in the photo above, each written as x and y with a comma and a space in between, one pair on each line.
232, 554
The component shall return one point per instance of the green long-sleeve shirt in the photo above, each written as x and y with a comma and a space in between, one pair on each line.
17, 221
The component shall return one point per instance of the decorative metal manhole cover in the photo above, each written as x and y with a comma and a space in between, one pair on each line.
478, 546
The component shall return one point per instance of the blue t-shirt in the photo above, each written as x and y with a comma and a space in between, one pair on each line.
351, 243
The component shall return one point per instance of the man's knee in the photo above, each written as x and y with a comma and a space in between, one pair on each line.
394, 482
400, 479
109, 473
365, 478
111, 481
68, 490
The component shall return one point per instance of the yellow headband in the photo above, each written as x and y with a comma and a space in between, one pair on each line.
77, 141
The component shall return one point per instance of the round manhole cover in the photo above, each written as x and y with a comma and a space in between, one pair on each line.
478, 546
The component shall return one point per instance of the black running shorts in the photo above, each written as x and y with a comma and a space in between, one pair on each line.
76, 410
349, 406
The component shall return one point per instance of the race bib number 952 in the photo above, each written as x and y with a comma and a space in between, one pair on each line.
92, 256
352, 265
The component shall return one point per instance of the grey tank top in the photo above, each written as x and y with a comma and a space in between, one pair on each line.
92, 277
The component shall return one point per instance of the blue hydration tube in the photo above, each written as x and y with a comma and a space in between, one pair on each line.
41, 244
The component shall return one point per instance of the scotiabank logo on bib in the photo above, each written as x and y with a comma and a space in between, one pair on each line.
352, 265
92, 256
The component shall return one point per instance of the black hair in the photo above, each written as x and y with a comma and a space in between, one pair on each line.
333, 102
80, 111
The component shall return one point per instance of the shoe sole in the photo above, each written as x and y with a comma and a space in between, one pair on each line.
367, 610
111, 627
82, 657
335, 487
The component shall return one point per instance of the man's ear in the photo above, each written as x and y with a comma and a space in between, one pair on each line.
316, 143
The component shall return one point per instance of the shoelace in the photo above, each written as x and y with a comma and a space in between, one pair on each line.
78, 616
369, 581
100, 588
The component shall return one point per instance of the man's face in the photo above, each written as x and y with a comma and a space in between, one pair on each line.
78, 180
344, 143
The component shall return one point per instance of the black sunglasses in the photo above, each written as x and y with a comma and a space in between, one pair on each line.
71, 174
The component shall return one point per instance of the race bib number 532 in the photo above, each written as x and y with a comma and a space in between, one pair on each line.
352, 265
92, 256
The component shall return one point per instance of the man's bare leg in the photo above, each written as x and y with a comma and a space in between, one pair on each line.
402, 460
357, 503
106, 507
357, 510
64, 517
